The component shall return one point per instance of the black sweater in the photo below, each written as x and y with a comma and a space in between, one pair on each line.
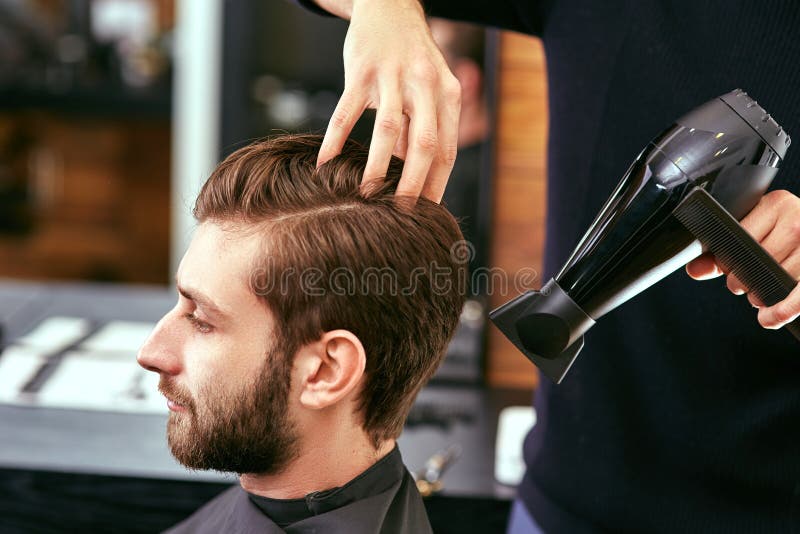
681, 414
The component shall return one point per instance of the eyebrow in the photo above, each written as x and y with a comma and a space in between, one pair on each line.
200, 299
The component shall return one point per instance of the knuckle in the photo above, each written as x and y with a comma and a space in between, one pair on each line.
781, 313
425, 71
426, 141
411, 184
451, 90
341, 117
794, 229
449, 154
779, 196
390, 125
416, 180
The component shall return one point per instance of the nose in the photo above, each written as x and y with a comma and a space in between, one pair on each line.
161, 351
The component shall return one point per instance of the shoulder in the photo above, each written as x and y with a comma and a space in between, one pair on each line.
406, 512
230, 511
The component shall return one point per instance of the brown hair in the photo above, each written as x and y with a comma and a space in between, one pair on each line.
387, 271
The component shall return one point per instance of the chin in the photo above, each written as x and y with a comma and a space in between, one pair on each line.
218, 450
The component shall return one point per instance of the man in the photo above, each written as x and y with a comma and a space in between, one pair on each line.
681, 413
310, 313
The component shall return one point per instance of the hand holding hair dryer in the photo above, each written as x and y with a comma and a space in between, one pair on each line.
682, 195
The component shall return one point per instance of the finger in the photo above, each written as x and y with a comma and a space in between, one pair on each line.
755, 301
703, 267
401, 147
786, 311
449, 111
781, 242
388, 125
791, 265
763, 217
422, 145
348, 110
735, 285
758, 223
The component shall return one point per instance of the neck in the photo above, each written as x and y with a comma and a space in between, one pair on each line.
329, 463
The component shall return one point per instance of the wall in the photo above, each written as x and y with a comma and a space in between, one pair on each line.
519, 189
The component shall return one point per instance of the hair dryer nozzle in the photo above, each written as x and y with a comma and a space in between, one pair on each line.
547, 326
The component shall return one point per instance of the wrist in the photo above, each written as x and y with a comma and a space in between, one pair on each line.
344, 8
360, 5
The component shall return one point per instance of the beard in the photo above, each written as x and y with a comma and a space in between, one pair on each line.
246, 431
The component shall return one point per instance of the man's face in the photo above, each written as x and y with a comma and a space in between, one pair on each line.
224, 375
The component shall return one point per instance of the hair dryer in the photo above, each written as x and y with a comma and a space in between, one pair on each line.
681, 196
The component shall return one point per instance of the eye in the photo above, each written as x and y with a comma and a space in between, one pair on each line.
200, 326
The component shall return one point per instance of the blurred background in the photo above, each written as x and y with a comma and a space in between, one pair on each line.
85, 118
112, 115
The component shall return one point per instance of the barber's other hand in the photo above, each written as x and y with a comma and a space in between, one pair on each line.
392, 64
775, 223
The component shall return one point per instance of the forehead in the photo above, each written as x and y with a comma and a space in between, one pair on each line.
218, 262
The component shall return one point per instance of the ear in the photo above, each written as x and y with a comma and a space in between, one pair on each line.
330, 369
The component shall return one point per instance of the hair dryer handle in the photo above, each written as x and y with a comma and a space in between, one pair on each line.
734, 248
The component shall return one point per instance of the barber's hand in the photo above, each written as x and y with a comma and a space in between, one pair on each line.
775, 223
392, 64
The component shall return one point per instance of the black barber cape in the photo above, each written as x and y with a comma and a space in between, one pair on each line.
383, 499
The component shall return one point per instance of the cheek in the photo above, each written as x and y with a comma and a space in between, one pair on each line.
204, 363
216, 363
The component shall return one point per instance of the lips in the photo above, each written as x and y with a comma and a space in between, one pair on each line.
174, 406
169, 390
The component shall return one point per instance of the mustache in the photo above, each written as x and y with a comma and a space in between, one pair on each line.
171, 390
